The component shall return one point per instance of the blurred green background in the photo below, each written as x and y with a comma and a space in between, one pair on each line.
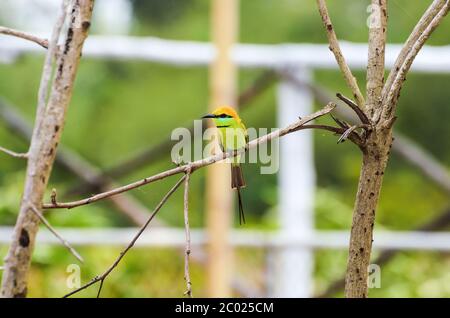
119, 108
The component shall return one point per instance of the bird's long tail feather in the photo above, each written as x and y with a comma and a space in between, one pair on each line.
238, 182
241, 208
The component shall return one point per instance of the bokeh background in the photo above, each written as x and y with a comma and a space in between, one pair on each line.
119, 108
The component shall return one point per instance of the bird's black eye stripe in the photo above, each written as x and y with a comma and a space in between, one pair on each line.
224, 116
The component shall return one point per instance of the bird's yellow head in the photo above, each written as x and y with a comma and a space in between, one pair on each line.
224, 117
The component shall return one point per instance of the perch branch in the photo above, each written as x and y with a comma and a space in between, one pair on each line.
103, 276
349, 131
14, 154
187, 252
336, 50
54, 232
155, 152
196, 164
25, 36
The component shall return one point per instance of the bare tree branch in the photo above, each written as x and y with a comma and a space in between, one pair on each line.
335, 48
402, 146
187, 252
420, 27
14, 154
51, 229
103, 276
196, 164
392, 95
25, 36
49, 123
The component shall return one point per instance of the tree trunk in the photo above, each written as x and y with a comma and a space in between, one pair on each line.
46, 137
375, 158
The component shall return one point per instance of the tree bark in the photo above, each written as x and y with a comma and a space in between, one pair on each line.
380, 106
375, 158
46, 136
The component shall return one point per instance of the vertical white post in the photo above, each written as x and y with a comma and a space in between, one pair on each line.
294, 266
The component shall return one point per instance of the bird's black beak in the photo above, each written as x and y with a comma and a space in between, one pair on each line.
209, 116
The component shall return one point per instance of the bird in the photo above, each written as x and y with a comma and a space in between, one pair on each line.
232, 136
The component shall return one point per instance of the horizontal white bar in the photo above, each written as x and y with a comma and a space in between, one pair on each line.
173, 237
188, 53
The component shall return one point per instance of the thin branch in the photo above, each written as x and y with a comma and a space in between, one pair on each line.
420, 27
196, 164
102, 277
349, 131
335, 48
187, 252
14, 154
352, 136
361, 115
59, 237
390, 100
25, 36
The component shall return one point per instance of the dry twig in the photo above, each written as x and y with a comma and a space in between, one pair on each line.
187, 252
25, 36
103, 276
335, 48
14, 154
51, 229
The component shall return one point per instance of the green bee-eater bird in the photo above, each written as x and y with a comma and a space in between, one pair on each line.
233, 136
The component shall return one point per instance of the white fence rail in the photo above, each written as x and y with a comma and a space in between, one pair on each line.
434, 59
172, 237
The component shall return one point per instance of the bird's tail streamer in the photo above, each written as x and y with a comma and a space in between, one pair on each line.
241, 208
